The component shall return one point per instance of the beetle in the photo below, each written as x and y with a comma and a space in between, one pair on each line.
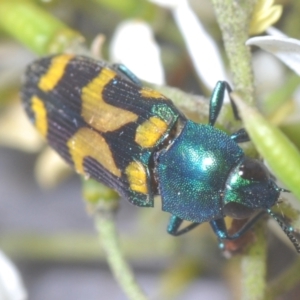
109, 127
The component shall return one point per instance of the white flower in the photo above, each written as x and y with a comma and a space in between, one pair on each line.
285, 48
16, 130
11, 286
203, 50
133, 45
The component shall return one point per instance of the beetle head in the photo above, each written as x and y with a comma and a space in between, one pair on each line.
249, 188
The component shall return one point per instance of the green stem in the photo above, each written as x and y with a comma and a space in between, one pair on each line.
282, 156
78, 247
253, 265
107, 233
36, 29
285, 282
234, 18
103, 202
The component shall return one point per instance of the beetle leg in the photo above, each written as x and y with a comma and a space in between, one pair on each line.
174, 224
220, 229
240, 136
123, 70
216, 102
233, 106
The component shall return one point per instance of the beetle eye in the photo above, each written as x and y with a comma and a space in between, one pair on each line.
252, 169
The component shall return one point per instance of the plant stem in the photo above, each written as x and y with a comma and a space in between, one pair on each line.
103, 202
37, 29
107, 233
234, 18
253, 265
285, 282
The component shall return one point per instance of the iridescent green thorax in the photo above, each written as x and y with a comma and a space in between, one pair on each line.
193, 172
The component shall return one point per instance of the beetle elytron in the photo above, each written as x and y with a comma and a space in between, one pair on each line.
101, 120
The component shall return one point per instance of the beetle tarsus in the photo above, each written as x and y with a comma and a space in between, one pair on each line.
288, 230
240, 136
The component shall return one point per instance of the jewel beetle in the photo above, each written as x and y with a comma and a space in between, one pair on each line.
109, 127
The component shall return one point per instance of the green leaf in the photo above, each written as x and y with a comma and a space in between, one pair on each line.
278, 151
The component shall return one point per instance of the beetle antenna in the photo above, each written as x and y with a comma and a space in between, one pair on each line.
288, 230
283, 190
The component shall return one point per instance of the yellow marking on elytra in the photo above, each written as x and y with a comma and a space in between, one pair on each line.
137, 177
40, 113
100, 115
55, 72
149, 93
149, 132
88, 143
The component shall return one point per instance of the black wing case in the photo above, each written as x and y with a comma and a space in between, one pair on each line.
99, 121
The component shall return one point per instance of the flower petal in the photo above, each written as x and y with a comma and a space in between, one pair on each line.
264, 19
11, 286
203, 50
51, 169
133, 45
286, 49
166, 3
17, 132
264, 15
